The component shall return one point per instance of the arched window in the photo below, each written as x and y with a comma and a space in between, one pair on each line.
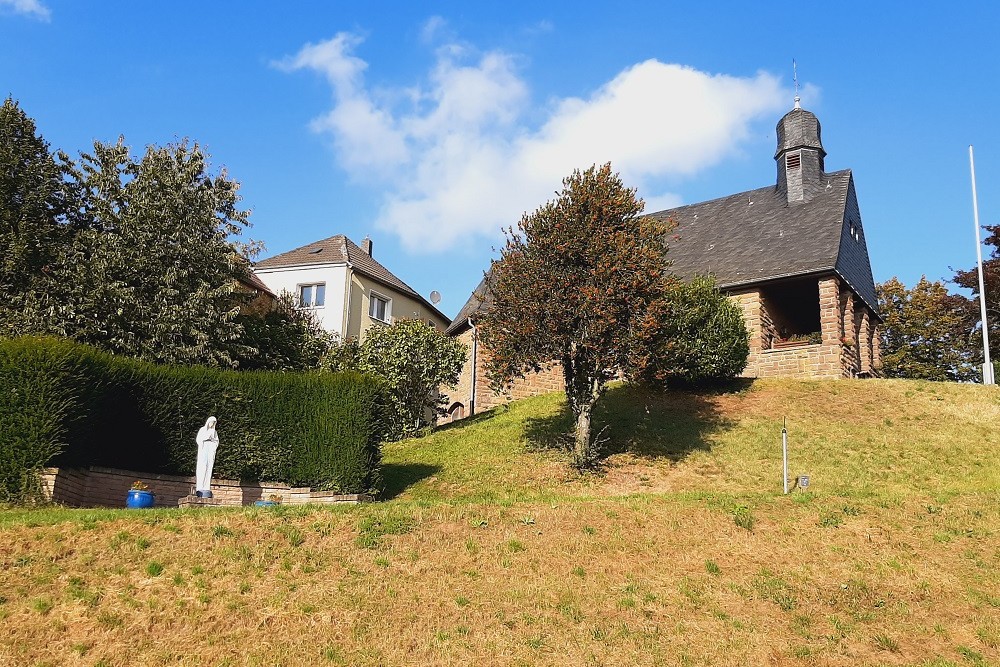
456, 411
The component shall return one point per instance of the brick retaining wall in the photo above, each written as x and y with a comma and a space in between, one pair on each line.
107, 487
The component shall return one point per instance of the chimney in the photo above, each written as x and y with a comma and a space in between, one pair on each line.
366, 245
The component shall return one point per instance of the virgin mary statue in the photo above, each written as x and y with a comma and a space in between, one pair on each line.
208, 442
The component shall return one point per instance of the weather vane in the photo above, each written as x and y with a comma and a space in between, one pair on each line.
795, 78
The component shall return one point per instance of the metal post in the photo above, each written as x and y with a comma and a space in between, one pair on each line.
987, 364
784, 453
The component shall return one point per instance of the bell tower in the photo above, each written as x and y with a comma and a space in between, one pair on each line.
799, 154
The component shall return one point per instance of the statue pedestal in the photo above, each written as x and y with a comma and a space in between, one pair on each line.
192, 500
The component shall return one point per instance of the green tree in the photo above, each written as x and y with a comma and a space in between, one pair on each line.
927, 332
283, 338
413, 359
571, 285
37, 205
991, 281
153, 273
691, 335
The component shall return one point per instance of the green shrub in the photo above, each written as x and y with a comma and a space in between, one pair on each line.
37, 401
413, 359
70, 405
697, 336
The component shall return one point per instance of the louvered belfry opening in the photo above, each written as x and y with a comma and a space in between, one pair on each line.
793, 161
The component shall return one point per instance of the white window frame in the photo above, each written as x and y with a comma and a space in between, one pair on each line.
310, 306
372, 297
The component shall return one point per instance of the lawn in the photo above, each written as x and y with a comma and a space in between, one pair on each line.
490, 550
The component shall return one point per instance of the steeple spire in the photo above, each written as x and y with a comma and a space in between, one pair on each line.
795, 78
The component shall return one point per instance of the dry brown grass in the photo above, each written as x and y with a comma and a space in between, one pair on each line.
612, 582
486, 560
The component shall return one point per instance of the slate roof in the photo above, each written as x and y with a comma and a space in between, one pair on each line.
471, 307
754, 236
758, 236
340, 250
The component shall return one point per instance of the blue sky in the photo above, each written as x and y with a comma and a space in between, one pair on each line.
430, 125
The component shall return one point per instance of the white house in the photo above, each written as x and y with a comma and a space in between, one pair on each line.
345, 287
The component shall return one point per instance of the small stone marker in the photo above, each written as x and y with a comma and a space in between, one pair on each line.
803, 481
193, 501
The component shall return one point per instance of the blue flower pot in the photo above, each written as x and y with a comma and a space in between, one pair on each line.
137, 500
265, 503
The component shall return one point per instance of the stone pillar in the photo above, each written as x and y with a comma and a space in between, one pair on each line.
831, 319
751, 307
847, 317
830, 313
876, 351
849, 358
865, 344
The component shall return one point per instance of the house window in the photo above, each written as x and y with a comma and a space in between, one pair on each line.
379, 307
431, 324
312, 296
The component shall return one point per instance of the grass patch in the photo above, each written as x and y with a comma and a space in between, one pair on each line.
680, 550
372, 528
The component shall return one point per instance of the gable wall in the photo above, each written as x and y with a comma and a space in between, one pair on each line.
853, 261
331, 314
402, 306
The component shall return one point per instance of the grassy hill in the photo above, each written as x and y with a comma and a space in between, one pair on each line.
490, 550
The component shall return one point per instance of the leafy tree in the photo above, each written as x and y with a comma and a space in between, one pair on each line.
133, 256
37, 203
927, 333
157, 271
572, 284
137, 256
691, 335
413, 359
991, 281
284, 338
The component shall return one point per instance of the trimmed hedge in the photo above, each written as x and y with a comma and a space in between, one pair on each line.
70, 405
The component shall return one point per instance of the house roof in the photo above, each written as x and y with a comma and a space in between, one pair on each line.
341, 250
252, 281
758, 236
480, 300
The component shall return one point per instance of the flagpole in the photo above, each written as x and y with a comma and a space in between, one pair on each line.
987, 365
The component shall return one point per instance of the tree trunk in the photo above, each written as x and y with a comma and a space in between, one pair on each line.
581, 447
584, 385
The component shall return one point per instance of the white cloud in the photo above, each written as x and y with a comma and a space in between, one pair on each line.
458, 159
32, 8
432, 28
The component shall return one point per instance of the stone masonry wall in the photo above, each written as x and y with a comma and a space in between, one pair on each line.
805, 361
548, 380
461, 393
846, 335
849, 347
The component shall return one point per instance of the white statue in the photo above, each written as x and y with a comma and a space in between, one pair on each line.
208, 442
